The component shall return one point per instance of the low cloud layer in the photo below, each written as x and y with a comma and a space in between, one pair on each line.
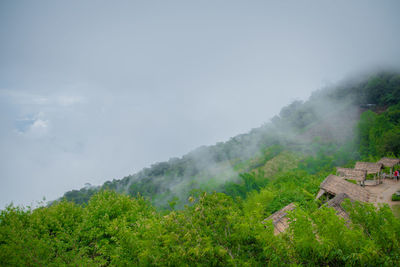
92, 91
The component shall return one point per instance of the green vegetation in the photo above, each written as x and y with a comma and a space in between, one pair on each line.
396, 210
396, 197
380, 133
351, 181
118, 230
207, 208
370, 176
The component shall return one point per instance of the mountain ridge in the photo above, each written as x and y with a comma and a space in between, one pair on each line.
330, 114
204, 221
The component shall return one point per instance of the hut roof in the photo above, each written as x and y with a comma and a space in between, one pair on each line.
358, 175
336, 185
389, 162
280, 219
371, 167
336, 203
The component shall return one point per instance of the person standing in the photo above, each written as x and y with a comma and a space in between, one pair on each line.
396, 175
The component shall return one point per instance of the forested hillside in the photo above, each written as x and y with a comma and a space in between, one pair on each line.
207, 208
323, 125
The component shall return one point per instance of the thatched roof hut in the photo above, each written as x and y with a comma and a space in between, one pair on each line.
389, 162
335, 185
336, 203
353, 174
371, 167
280, 219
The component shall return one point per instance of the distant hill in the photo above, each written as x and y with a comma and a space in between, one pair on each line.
280, 164
330, 115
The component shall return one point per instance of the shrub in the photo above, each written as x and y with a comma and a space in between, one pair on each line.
395, 197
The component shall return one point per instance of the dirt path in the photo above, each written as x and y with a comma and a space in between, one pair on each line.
383, 193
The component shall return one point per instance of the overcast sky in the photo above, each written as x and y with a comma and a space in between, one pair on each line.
92, 91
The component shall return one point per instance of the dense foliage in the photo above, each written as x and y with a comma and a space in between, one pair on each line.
207, 208
379, 134
215, 230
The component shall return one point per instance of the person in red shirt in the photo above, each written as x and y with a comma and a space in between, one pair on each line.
396, 175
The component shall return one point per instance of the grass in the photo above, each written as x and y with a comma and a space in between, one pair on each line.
396, 210
286, 160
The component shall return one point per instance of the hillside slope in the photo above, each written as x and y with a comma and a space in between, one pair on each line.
228, 228
329, 116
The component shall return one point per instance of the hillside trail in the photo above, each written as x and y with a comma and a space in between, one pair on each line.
383, 193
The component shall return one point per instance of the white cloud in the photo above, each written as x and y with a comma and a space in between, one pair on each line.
38, 129
40, 124
32, 126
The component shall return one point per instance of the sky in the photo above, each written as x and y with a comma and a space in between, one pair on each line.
92, 91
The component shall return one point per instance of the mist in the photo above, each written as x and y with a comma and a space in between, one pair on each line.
325, 124
94, 91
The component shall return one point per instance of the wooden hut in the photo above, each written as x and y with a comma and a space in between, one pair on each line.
389, 163
352, 174
280, 219
334, 185
371, 168
336, 203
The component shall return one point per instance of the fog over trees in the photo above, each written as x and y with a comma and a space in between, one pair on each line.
199, 133
95, 91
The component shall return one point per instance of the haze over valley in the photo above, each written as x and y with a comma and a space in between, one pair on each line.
200, 133
91, 92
